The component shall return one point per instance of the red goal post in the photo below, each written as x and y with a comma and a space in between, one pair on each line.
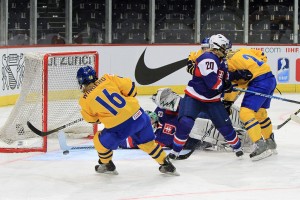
48, 99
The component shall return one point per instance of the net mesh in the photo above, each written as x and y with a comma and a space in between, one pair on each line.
62, 99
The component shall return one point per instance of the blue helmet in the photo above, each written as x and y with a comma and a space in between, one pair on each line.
86, 75
205, 42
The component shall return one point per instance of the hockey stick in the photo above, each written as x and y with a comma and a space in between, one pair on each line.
272, 97
187, 155
66, 148
292, 117
41, 133
266, 95
295, 118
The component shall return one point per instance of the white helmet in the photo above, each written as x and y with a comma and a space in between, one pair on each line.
220, 42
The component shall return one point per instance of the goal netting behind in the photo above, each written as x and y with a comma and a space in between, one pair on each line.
48, 99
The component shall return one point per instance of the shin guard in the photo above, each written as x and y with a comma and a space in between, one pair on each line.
265, 122
252, 125
154, 150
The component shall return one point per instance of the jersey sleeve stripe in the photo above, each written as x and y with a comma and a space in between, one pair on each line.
132, 89
217, 85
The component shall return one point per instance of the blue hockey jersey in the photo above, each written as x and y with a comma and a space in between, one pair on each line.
207, 83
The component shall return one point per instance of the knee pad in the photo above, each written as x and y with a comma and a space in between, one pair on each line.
261, 114
246, 114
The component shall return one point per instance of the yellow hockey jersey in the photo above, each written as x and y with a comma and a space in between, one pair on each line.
111, 101
250, 59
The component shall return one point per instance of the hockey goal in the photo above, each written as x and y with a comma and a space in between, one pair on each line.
48, 99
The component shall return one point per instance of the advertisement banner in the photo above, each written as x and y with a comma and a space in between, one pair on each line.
147, 65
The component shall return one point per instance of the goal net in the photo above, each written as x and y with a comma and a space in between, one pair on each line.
48, 99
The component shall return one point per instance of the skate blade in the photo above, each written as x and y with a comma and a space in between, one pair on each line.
263, 155
175, 173
115, 172
274, 151
109, 172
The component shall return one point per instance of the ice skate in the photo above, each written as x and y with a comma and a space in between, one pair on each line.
239, 152
168, 168
173, 155
272, 144
261, 150
108, 168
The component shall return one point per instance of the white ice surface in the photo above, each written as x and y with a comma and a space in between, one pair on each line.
205, 175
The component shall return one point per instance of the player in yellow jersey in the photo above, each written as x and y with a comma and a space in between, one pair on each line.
253, 108
111, 100
194, 55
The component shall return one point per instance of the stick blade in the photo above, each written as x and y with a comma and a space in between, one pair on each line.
185, 156
295, 118
62, 141
35, 130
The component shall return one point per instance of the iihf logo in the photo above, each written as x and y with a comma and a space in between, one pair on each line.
283, 70
12, 71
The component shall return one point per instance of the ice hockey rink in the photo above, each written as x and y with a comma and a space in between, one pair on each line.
206, 175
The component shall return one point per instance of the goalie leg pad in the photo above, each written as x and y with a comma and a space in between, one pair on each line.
201, 132
235, 117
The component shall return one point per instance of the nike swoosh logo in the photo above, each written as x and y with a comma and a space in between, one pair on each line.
146, 76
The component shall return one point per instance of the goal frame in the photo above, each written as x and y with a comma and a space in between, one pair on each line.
45, 100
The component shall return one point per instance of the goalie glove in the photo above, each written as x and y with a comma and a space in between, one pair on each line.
165, 98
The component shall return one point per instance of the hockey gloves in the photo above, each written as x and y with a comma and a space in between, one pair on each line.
190, 67
241, 74
227, 86
227, 105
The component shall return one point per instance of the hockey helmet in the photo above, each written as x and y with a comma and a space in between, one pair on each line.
219, 42
86, 75
205, 43
153, 116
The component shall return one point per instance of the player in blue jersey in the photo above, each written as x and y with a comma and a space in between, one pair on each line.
165, 121
203, 94
111, 100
